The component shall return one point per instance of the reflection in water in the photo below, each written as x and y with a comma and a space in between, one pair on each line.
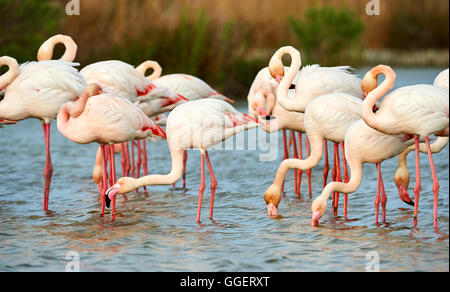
157, 231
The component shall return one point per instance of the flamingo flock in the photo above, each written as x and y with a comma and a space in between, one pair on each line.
116, 105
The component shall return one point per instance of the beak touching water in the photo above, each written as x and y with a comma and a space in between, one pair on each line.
272, 210
315, 219
111, 193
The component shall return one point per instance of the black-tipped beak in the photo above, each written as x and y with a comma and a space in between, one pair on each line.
411, 203
107, 200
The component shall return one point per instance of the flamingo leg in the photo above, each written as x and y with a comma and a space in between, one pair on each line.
300, 152
139, 159
123, 161
418, 186
202, 187
213, 185
309, 171
327, 165
133, 167
377, 199
346, 178
104, 179
185, 157
113, 178
286, 153
436, 185
383, 196
338, 175
48, 171
144, 160
108, 154
334, 176
128, 166
294, 143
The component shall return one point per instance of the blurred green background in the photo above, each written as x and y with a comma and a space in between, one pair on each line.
226, 42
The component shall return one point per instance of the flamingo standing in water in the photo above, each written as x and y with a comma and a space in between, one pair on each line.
38, 90
124, 80
198, 124
363, 144
262, 102
312, 81
419, 110
326, 118
191, 87
107, 119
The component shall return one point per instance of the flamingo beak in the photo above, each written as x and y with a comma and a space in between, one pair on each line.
272, 210
315, 219
279, 78
5, 122
404, 196
111, 193
261, 112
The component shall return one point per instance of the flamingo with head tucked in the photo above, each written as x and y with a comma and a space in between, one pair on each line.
420, 110
107, 119
442, 80
38, 90
198, 124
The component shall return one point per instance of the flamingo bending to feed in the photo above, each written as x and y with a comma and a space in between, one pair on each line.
38, 90
262, 102
191, 87
363, 144
327, 118
312, 81
419, 110
107, 119
198, 124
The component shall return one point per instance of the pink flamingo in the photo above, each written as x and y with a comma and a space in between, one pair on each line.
312, 81
262, 102
419, 110
107, 119
191, 87
326, 118
38, 90
363, 144
210, 122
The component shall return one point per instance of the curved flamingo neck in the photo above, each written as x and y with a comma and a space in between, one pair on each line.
157, 70
372, 119
169, 179
13, 71
285, 84
46, 50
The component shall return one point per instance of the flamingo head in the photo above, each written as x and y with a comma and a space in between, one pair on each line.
318, 208
272, 196
276, 68
401, 180
123, 186
369, 83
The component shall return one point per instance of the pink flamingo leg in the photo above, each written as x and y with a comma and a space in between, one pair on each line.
139, 159
213, 186
300, 152
144, 160
123, 161
133, 167
338, 175
113, 176
327, 165
334, 175
128, 166
48, 172
185, 157
108, 153
286, 153
377, 199
309, 171
294, 142
383, 196
202, 188
346, 178
436, 185
104, 179
418, 186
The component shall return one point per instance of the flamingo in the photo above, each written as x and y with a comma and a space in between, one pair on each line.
326, 118
363, 144
262, 102
107, 119
198, 124
191, 87
312, 81
124, 80
442, 80
419, 110
38, 90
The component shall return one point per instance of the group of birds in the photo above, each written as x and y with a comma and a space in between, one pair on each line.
114, 104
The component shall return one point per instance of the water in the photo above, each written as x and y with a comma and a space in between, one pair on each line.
158, 232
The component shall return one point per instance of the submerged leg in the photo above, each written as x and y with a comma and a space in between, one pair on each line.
104, 179
377, 199
346, 177
418, 186
113, 179
338, 175
436, 185
300, 152
144, 160
213, 185
202, 188
48, 171
383, 196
